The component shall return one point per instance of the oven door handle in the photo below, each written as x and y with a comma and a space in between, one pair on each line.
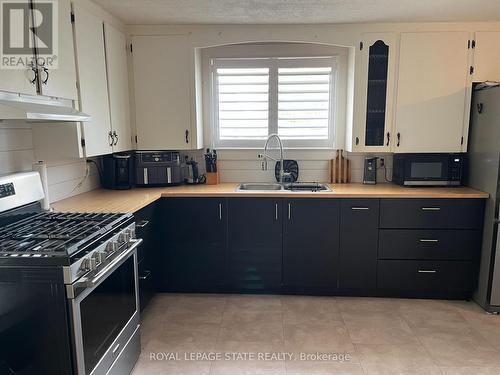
111, 266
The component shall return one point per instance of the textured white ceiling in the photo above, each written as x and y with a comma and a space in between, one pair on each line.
299, 11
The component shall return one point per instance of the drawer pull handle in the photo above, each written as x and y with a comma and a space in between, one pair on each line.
360, 208
146, 275
115, 350
428, 240
431, 209
427, 271
142, 224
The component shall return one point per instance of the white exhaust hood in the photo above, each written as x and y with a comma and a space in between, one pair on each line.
38, 109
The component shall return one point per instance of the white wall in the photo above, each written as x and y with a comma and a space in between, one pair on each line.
65, 177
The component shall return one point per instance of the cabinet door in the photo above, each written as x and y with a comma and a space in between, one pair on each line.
374, 122
145, 228
486, 56
61, 81
192, 246
255, 244
432, 87
116, 63
162, 84
93, 90
311, 244
358, 243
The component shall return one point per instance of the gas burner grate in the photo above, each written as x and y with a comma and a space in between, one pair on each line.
55, 234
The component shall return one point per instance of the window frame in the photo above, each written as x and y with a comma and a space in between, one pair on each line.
273, 63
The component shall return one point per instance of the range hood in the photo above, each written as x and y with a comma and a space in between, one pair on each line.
38, 109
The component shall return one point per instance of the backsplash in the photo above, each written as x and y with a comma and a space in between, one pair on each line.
65, 177
314, 165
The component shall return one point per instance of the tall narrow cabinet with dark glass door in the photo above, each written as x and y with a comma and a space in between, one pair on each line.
378, 63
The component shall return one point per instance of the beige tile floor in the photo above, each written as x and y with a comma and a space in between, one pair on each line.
375, 336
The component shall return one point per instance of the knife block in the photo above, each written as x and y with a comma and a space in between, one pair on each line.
213, 178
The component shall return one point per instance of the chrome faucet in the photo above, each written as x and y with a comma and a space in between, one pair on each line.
265, 156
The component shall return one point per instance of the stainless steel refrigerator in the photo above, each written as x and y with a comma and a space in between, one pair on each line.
484, 174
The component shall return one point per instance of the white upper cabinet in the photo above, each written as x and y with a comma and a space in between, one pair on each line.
431, 113
486, 56
164, 88
117, 73
372, 128
45, 79
92, 80
61, 81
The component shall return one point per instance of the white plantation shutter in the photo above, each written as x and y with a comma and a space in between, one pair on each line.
304, 103
289, 96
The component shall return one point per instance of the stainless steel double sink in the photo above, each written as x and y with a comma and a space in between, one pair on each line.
286, 187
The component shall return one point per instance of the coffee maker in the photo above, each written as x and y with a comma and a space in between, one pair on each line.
370, 171
118, 171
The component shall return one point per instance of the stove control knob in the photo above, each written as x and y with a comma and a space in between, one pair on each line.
85, 265
111, 247
99, 256
93, 263
124, 237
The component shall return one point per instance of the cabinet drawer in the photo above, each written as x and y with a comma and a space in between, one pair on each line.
425, 276
429, 244
431, 213
360, 212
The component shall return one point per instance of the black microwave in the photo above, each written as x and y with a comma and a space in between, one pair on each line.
435, 169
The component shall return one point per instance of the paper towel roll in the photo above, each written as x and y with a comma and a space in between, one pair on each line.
41, 168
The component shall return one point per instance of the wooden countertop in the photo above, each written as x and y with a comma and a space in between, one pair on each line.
133, 200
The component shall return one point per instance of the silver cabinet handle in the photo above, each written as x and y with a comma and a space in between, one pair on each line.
146, 275
142, 224
428, 240
360, 208
116, 349
431, 209
289, 211
276, 211
427, 271
220, 211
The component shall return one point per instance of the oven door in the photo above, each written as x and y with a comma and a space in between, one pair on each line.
427, 169
105, 315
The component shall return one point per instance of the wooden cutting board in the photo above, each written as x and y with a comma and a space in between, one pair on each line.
340, 168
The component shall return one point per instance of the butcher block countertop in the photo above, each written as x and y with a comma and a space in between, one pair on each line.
133, 200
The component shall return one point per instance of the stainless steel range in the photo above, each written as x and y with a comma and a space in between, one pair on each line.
68, 282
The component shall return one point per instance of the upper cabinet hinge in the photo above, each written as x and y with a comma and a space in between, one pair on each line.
135, 139
473, 44
361, 46
471, 70
131, 49
468, 44
462, 141
82, 142
72, 17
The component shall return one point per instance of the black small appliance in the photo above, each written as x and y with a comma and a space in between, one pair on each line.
158, 168
431, 169
370, 171
118, 171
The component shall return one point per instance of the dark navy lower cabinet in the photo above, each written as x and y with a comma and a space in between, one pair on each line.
359, 220
255, 244
311, 229
145, 227
192, 250
395, 247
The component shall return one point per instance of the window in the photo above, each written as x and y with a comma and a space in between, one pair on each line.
292, 97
